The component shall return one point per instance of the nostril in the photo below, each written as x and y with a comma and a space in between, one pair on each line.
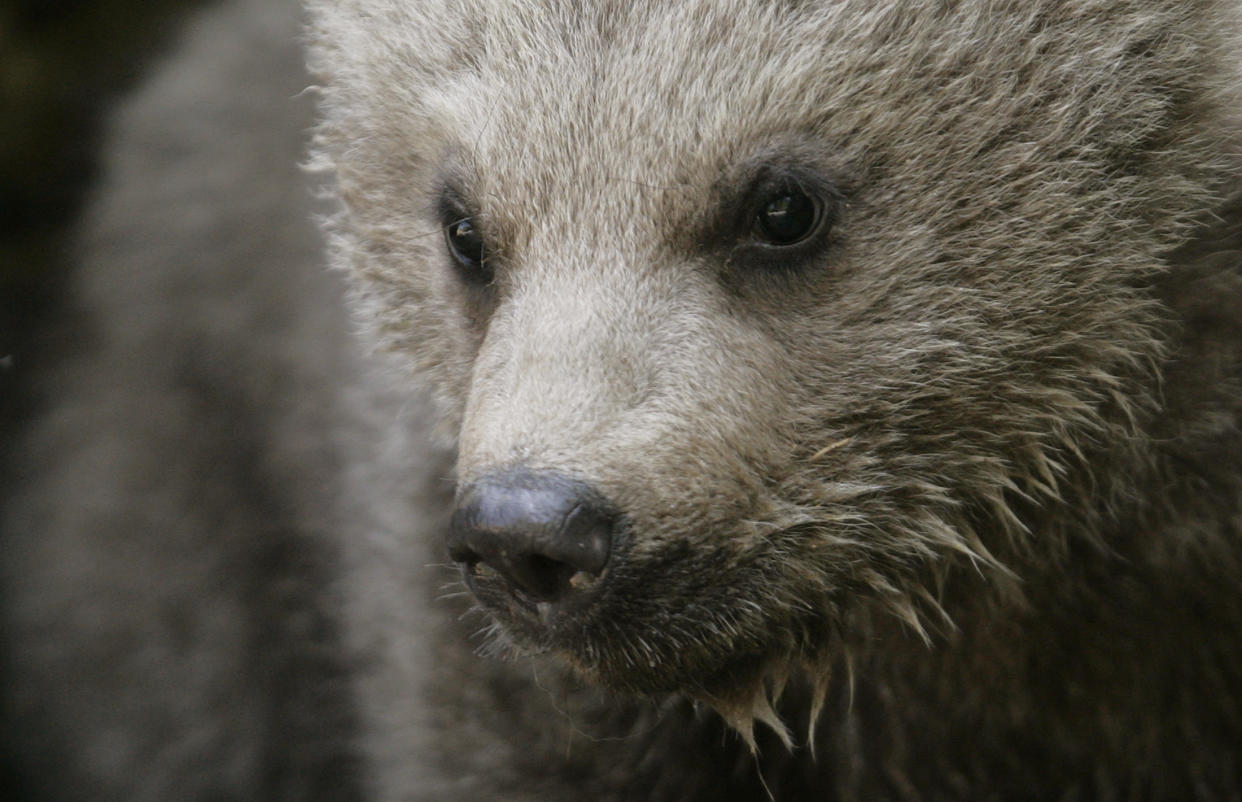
539, 576
460, 553
544, 578
545, 535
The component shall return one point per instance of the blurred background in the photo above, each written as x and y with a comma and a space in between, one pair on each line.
61, 64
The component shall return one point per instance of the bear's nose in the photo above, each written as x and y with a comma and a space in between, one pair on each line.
546, 534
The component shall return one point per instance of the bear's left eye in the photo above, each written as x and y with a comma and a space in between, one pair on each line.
465, 243
787, 217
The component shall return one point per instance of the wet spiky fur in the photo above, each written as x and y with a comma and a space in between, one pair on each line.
938, 421
948, 509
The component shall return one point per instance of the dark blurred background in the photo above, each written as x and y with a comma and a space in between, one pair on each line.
61, 64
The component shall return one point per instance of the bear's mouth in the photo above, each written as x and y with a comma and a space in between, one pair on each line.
649, 623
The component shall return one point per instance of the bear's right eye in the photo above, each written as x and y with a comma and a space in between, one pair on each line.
787, 218
465, 243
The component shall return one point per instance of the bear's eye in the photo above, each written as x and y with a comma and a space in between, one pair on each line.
787, 217
466, 244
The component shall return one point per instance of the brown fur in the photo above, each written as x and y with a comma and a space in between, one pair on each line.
948, 509
944, 461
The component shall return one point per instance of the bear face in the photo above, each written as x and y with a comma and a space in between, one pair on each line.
939, 370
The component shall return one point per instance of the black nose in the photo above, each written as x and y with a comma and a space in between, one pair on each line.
547, 535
